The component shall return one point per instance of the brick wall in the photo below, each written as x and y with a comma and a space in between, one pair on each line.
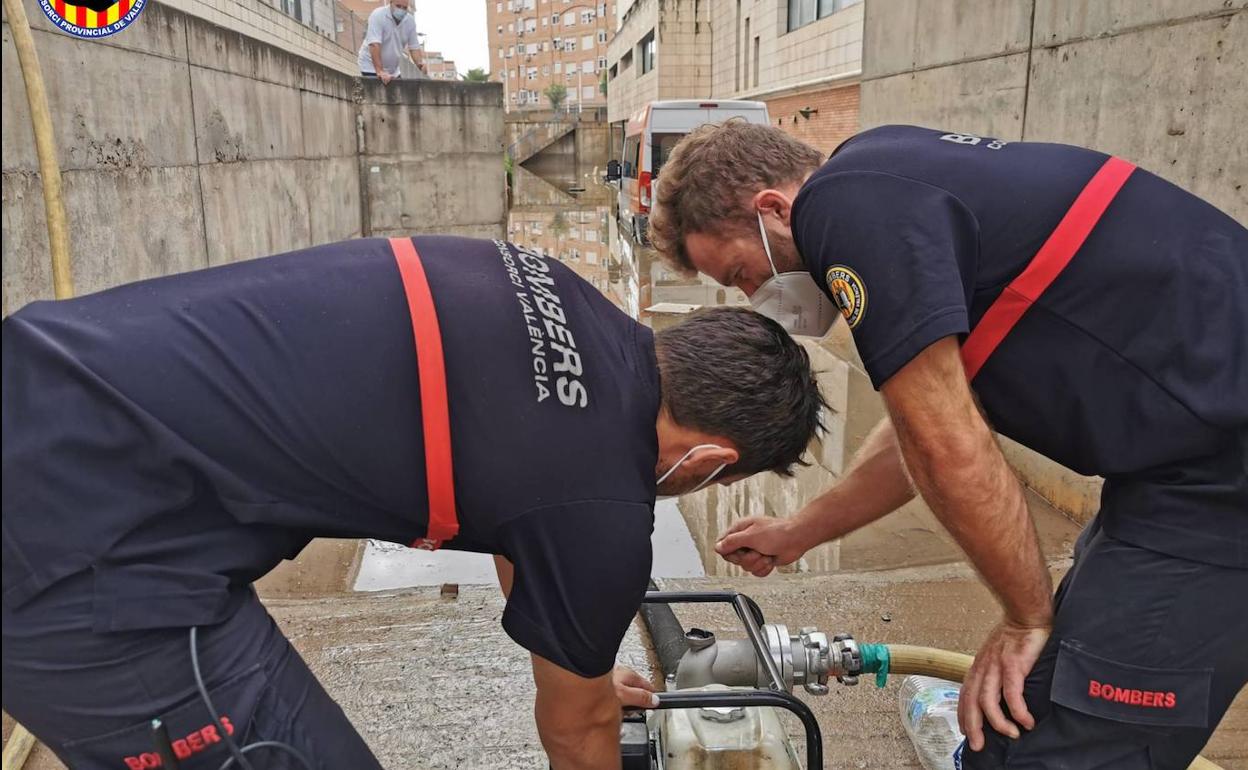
835, 121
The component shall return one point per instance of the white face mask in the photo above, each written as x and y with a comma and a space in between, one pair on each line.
398, 13
684, 457
793, 300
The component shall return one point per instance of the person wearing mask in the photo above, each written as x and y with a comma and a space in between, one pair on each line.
391, 34
168, 442
1087, 309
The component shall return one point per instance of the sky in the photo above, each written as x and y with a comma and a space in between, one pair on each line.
457, 29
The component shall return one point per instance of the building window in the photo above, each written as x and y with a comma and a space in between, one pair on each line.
602, 10
587, 17
569, 19
544, 22
602, 63
569, 44
511, 51
500, 29
646, 52
803, 12
558, 67
498, 8
554, 20
587, 66
587, 43
602, 36
511, 27
545, 70
588, 93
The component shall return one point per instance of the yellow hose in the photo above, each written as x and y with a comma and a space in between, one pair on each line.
45, 148
20, 742
929, 661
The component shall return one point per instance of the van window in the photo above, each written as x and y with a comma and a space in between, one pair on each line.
632, 149
661, 146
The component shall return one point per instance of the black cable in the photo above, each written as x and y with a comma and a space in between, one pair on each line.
269, 745
238, 754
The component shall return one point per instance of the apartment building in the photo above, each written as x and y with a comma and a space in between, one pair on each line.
801, 57
438, 67
536, 44
662, 50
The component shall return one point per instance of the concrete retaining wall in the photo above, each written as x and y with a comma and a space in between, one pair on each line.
185, 145
1157, 81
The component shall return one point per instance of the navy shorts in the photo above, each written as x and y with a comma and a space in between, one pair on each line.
91, 697
1147, 653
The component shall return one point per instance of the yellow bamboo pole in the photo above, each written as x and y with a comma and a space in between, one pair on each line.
21, 742
17, 748
45, 148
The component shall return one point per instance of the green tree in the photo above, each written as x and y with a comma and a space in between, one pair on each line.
602, 83
556, 93
477, 75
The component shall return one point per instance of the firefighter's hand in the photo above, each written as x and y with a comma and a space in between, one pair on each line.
759, 544
998, 672
633, 689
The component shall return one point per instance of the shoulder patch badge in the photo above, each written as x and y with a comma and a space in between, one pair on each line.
848, 292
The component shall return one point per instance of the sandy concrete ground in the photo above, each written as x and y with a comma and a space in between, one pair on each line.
435, 683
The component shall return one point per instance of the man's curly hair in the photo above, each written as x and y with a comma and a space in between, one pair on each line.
712, 173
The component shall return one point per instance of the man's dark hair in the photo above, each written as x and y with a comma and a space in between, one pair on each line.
734, 373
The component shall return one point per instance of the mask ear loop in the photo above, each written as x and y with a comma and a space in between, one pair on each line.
707, 480
762, 231
684, 457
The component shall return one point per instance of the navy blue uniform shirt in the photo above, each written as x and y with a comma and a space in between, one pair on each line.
179, 437
1133, 365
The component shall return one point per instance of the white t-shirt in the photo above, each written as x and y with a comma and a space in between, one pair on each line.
394, 39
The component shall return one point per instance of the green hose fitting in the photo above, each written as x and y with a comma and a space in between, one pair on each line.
875, 661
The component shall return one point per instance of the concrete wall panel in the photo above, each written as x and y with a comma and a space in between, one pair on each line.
241, 119
1060, 21
214, 47
903, 35
127, 225
328, 126
984, 97
245, 150
332, 187
236, 228
112, 108
1129, 94
439, 193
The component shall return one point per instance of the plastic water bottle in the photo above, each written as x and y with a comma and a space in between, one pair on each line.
929, 712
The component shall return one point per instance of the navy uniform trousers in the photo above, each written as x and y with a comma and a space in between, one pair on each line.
107, 687
1147, 653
